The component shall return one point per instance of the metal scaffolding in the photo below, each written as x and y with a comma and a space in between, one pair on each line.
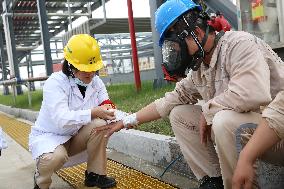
26, 24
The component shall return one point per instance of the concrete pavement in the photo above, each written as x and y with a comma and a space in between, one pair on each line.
17, 166
17, 169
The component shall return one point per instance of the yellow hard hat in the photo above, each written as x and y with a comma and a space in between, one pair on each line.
83, 52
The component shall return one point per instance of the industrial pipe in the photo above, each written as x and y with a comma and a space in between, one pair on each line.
21, 81
48, 14
24, 48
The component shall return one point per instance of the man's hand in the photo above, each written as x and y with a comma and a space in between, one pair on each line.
103, 112
243, 175
113, 127
204, 129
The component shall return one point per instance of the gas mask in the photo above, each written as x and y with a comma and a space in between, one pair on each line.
198, 56
185, 27
176, 59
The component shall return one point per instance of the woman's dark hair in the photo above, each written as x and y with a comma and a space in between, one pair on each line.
67, 68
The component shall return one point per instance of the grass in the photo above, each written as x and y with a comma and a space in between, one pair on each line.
22, 100
123, 95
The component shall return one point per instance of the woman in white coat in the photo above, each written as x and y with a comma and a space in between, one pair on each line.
3, 143
75, 101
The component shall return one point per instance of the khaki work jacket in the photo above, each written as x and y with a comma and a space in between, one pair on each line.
274, 114
244, 74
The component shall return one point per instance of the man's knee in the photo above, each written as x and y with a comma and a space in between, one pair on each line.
222, 120
185, 115
175, 114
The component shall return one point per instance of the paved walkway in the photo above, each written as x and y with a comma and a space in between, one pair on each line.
17, 169
17, 166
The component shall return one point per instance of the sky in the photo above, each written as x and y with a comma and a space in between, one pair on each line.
118, 9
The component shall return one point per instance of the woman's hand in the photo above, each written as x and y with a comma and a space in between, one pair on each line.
204, 130
243, 175
103, 112
113, 127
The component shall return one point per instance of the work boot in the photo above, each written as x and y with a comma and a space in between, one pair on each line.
36, 186
211, 183
101, 181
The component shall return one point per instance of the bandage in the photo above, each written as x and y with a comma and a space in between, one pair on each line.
130, 120
119, 115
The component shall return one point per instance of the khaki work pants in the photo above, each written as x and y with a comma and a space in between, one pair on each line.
95, 144
220, 156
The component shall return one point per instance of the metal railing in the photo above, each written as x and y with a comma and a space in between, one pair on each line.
26, 82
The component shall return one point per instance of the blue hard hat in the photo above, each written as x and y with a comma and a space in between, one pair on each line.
168, 12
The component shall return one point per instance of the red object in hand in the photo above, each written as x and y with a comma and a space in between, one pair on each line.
108, 102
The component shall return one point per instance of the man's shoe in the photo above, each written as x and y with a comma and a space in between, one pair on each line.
101, 181
36, 186
211, 183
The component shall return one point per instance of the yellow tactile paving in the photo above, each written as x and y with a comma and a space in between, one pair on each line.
126, 177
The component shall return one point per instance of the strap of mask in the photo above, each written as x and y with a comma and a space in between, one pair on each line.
201, 46
205, 37
218, 36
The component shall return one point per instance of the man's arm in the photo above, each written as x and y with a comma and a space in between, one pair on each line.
185, 92
268, 133
148, 113
263, 139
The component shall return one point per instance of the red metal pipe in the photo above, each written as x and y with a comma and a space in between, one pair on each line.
134, 47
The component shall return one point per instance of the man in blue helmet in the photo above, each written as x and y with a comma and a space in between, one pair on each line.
234, 73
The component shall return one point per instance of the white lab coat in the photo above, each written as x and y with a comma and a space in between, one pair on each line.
63, 112
3, 143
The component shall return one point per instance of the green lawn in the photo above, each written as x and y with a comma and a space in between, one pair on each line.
123, 95
22, 100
